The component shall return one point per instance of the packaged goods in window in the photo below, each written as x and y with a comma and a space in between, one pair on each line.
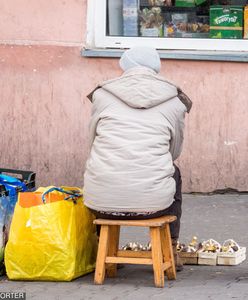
200, 2
160, 2
130, 17
189, 3
151, 22
185, 3
246, 22
186, 25
226, 22
175, 24
180, 21
198, 28
155, 3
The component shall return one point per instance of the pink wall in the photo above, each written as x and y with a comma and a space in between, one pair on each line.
45, 114
39, 20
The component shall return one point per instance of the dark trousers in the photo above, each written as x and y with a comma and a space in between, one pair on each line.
175, 209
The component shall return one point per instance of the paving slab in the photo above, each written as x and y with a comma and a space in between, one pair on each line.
218, 216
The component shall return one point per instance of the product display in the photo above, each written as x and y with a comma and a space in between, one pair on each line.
211, 252
188, 253
151, 22
160, 2
130, 17
246, 22
137, 247
203, 19
231, 254
186, 25
185, 3
226, 22
210, 246
200, 2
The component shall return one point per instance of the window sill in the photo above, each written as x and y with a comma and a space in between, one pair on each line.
232, 56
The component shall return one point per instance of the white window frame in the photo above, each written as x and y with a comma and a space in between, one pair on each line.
97, 38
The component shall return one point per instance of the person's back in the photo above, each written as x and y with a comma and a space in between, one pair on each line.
136, 135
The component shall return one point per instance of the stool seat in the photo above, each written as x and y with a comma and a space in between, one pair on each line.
161, 221
160, 257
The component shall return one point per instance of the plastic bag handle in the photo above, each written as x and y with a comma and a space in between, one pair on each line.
72, 195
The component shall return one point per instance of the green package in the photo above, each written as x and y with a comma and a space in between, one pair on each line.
226, 22
185, 3
188, 3
199, 2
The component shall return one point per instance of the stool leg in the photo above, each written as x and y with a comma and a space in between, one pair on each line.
168, 251
157, 257
114, 234
101, 254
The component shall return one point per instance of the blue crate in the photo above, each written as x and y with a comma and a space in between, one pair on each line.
27, 177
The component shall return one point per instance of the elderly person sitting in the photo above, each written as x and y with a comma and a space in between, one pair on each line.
136, 133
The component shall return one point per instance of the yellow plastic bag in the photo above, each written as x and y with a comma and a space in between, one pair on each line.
54, 241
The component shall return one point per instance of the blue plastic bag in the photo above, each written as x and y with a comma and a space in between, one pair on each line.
9, 188
13, 186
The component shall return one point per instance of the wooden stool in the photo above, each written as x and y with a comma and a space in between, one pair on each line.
160, 256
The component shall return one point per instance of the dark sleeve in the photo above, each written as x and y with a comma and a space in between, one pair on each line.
185, 99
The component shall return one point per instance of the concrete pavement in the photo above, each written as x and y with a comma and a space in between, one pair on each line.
218, 216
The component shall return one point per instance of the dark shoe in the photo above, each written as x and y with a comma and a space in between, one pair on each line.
179, 264
177, 259
120, 266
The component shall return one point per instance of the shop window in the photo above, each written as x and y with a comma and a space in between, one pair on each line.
169, 24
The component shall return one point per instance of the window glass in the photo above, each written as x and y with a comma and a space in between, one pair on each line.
214, 19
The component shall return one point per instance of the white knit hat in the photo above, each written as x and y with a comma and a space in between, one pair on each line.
140, 56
